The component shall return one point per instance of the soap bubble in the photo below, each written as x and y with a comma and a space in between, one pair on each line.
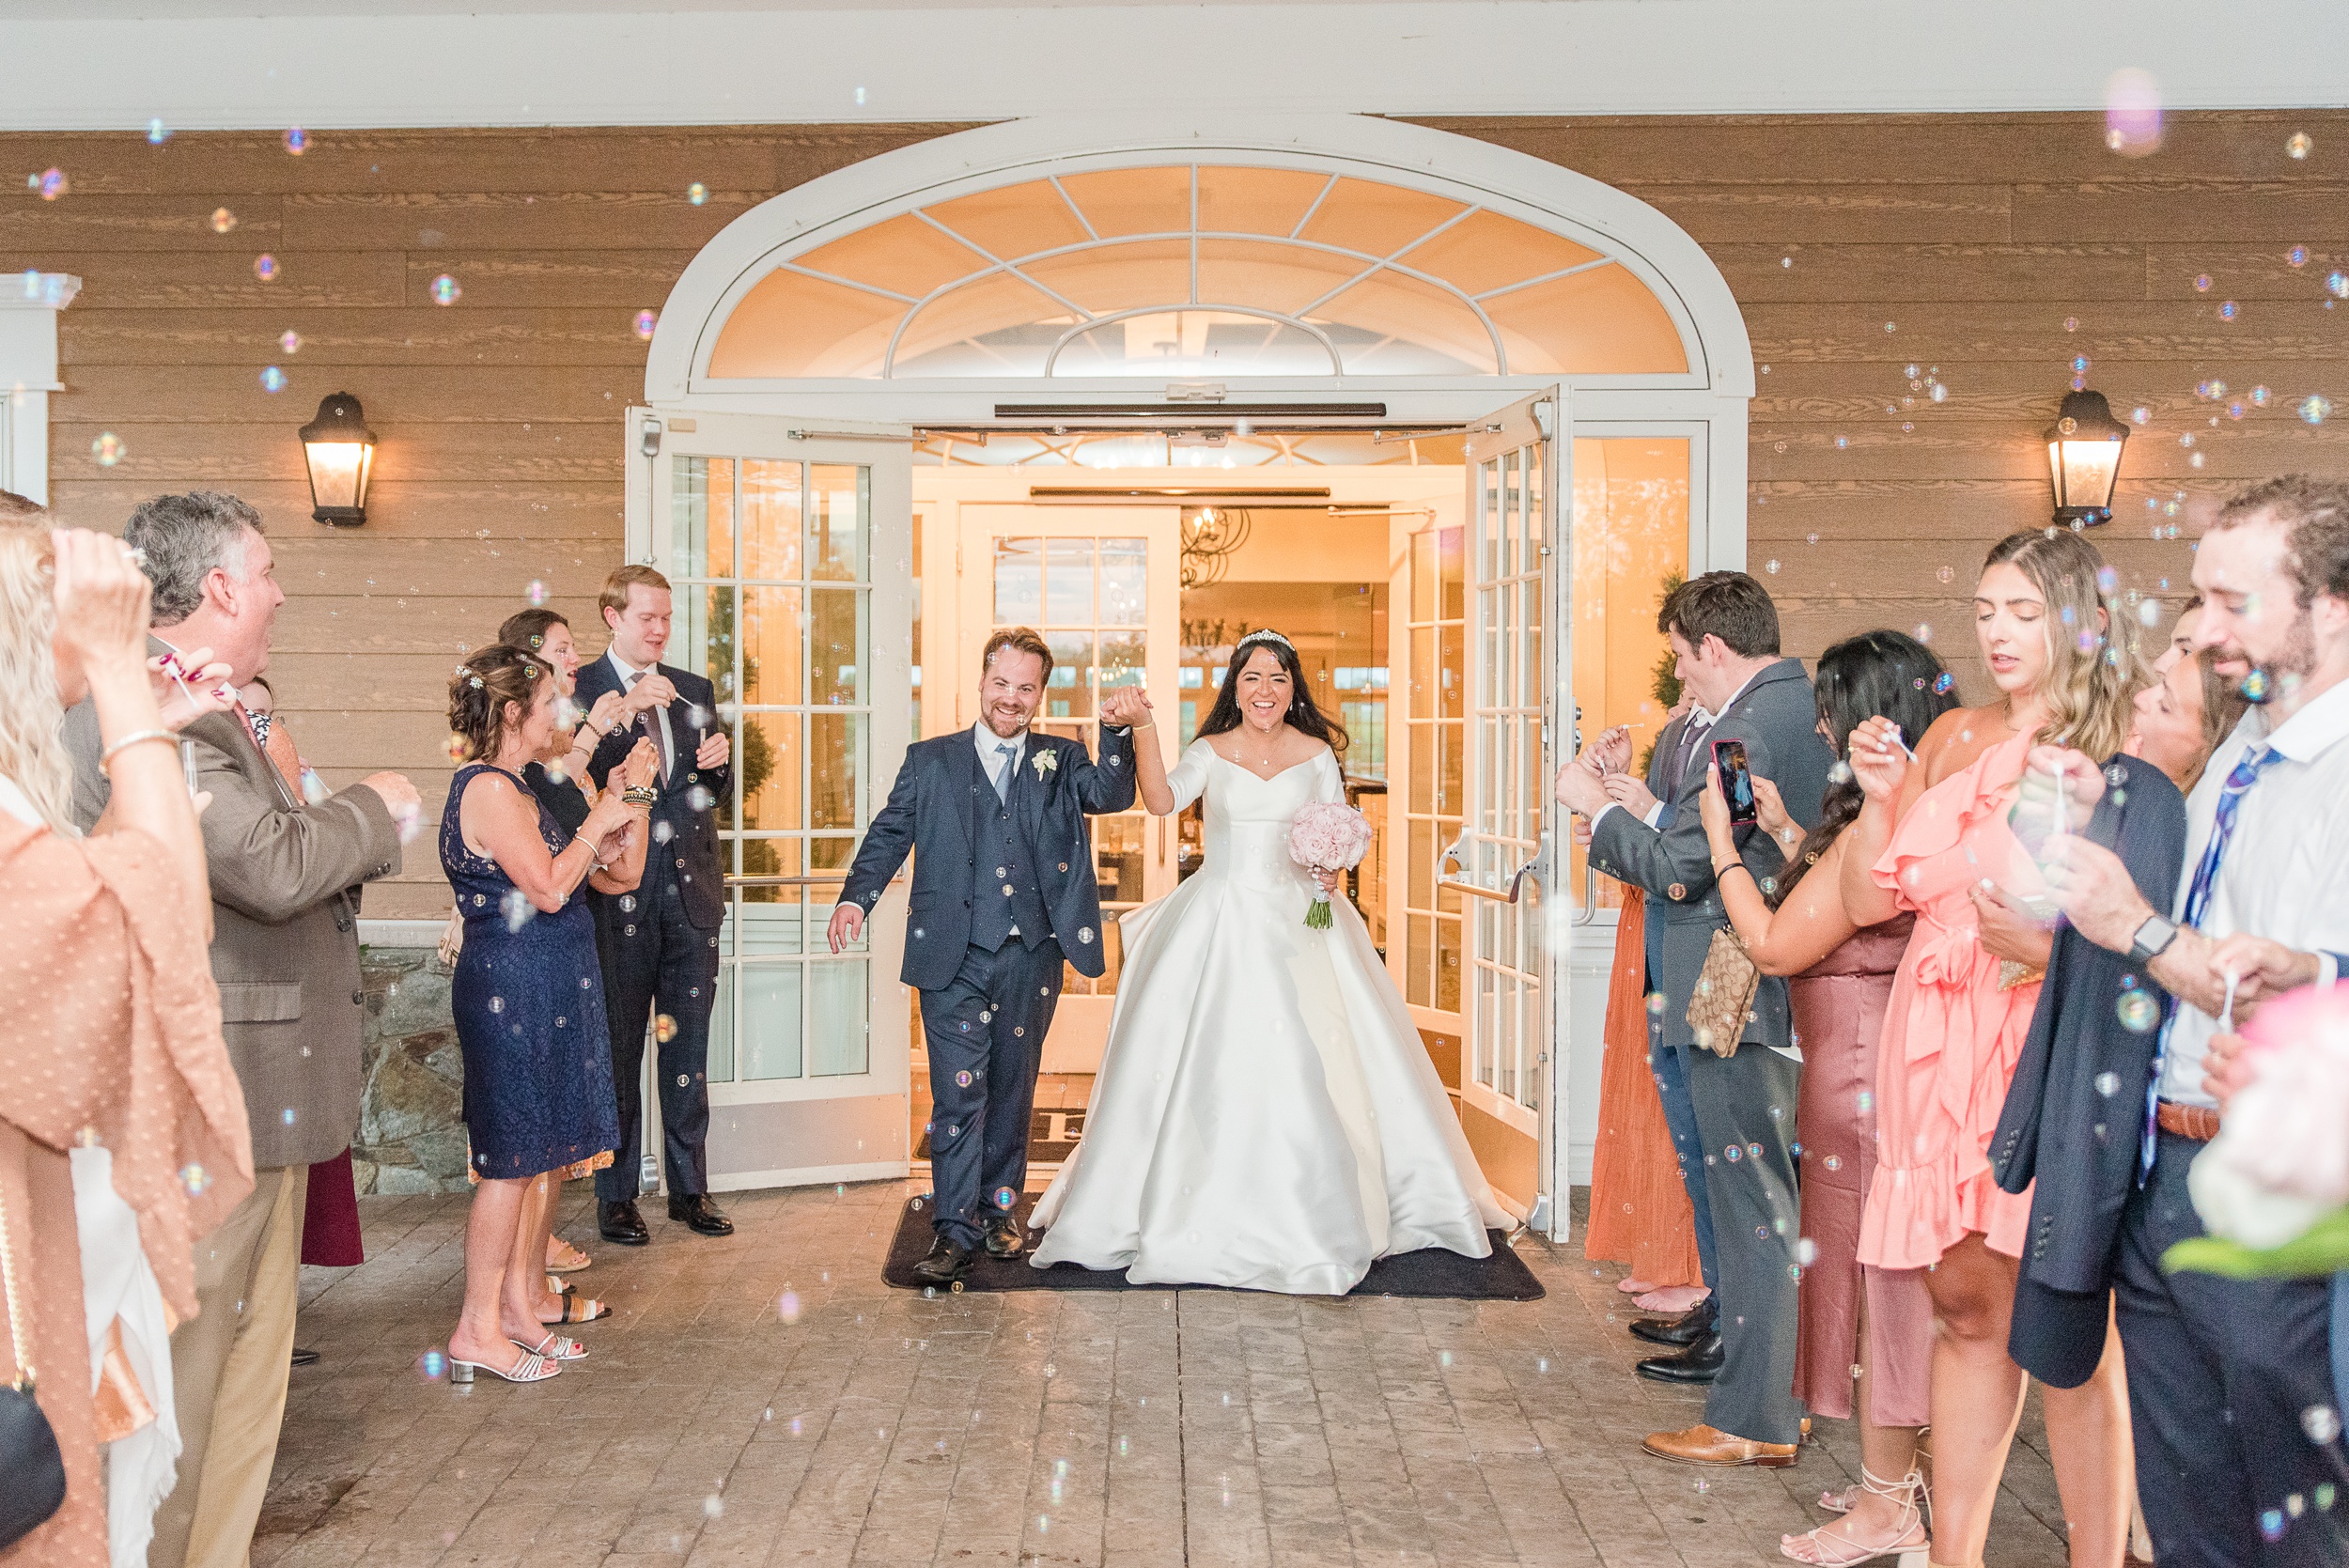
2317, 408
2259, 396
787, 1306
536, 592
2132, 113
107, 449
223, 220
2108, 1084
2202, 283
2149, 613
454, 747
157, 132
962, 1078
431, 1366
445, 291
52, 184
196, 1179
297, 141
2138, 1011
2071, 323
2298, 145
291, 341
1943, 682
2337, 285
273, 378
646, 321
712, 1506
2297, 257
697, 193
1732, 1154
286, 1116
1656, 1002
265, 267
2142, 414
663, 1028
2227, 310
1944, 574
1835, 1162
1771, 565
1806, 1252
517, 908
2256, 687
2272, 1524
2322, 1423
700, 799
2079, 364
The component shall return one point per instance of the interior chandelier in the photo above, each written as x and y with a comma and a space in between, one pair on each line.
1210, 534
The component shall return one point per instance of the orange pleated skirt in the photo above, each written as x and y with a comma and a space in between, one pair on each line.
1640, 1213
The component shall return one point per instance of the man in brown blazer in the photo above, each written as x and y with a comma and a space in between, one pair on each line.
286, 879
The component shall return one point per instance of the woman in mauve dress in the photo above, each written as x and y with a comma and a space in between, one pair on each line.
1854, 1321
1934, 840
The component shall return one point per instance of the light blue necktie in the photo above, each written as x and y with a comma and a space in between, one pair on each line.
2198, 895
1010, 755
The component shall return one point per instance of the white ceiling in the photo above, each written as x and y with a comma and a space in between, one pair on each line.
116, 64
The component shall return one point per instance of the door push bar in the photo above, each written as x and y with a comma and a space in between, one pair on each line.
1517, 881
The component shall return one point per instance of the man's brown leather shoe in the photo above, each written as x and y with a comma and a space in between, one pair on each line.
1706, 1445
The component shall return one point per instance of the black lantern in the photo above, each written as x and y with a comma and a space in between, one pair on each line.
339, 449
2084, 458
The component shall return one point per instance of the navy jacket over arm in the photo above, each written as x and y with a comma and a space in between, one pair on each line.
2076, 1108
691, 816
936, 803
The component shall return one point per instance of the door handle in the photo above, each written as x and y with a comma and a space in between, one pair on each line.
1517, 878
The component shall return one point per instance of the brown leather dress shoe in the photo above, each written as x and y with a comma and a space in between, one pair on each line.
1706, 1445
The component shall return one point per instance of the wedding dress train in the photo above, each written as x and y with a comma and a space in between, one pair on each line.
1265, 1116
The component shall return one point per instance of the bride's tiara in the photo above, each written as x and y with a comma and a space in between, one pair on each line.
1268, 635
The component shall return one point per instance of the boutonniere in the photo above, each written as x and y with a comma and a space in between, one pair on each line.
1045, 762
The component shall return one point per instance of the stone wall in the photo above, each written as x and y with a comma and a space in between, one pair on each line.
410, 1136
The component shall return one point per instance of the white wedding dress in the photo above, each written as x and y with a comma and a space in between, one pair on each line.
1265, 1116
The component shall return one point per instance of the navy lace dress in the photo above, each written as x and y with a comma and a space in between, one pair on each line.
529, 1005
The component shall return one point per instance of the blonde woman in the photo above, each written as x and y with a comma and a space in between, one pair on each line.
1932, 840
116, 1097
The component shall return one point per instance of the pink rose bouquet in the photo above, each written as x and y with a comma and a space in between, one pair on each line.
1327, 836
2273, 1186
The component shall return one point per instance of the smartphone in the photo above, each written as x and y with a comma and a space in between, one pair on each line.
1736, 780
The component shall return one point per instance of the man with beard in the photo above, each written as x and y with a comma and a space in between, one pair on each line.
2227, 1376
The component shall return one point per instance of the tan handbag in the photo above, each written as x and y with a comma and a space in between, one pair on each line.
1724, 994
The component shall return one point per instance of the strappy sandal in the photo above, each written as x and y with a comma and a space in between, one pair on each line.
531, 1368
1835, 1552
572, 1263
576, 1309
555, 1347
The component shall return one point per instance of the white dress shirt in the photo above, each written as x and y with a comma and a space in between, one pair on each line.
661, 715
991, 760
2281, 878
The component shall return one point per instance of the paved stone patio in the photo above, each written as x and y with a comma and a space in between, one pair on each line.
765, 1400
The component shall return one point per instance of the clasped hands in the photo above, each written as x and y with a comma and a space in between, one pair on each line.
1126, 707
621, 816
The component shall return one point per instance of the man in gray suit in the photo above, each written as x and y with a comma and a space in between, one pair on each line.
1724, 631
285, 878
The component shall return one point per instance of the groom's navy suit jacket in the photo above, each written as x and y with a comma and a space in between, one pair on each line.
939, 806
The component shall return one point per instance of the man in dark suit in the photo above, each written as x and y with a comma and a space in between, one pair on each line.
1004, 887
662, 955
1724, 631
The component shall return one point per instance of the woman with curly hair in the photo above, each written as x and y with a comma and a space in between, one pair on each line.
528, 995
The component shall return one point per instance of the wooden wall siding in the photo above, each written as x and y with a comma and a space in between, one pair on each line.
1975, 236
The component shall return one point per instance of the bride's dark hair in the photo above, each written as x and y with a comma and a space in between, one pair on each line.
1302, 715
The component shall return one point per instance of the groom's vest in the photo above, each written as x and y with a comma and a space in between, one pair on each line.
1005, 892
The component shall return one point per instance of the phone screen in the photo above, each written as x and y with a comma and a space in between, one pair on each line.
1736, 779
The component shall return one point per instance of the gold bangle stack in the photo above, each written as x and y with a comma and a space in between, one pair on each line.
640, 795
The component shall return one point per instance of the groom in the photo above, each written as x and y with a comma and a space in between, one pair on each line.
1003, 890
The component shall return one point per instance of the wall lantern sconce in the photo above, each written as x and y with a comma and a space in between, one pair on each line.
2084, 458
340, 450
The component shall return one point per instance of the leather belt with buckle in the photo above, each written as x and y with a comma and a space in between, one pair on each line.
2197, 1122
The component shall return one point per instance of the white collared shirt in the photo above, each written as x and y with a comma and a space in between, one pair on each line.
668, 742
1699, 720
991, 760
2281, 878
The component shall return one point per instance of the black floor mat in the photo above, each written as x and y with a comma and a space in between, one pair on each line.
1432, 1273
1052, 1136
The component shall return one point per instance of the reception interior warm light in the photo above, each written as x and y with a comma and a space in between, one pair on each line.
340, 450
2084, 458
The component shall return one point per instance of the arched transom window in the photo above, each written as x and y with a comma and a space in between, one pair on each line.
1205, 270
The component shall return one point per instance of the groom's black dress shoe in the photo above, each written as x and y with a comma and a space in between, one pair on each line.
620, 1223
703, 1217
1686, 1329
947, 1264
1700, 1363
1003, 1238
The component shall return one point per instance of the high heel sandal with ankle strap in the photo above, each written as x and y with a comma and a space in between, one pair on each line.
1838, 1553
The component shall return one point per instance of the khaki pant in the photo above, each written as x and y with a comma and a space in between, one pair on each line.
229, 1369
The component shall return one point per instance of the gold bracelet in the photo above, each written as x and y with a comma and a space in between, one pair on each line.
136, 738
640, 795
1137, 729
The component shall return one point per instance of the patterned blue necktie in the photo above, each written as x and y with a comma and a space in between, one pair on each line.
2198, 895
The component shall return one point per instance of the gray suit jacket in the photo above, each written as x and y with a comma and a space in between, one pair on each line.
1776, 717
286, 883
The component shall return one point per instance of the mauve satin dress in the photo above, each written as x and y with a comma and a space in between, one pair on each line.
1839, 1006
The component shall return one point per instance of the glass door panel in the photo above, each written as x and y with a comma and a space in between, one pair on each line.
769, 536
1101, 584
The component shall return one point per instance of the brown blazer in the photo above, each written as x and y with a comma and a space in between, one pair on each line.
286, 879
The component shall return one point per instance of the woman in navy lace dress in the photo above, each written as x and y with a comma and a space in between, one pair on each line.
528, 997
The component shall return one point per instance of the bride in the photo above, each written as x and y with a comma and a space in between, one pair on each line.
1265, 1116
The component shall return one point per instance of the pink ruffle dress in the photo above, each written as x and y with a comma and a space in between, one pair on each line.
1951, 1037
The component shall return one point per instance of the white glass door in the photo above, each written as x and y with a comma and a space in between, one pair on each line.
1513, 885
788, 551
1103, 584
